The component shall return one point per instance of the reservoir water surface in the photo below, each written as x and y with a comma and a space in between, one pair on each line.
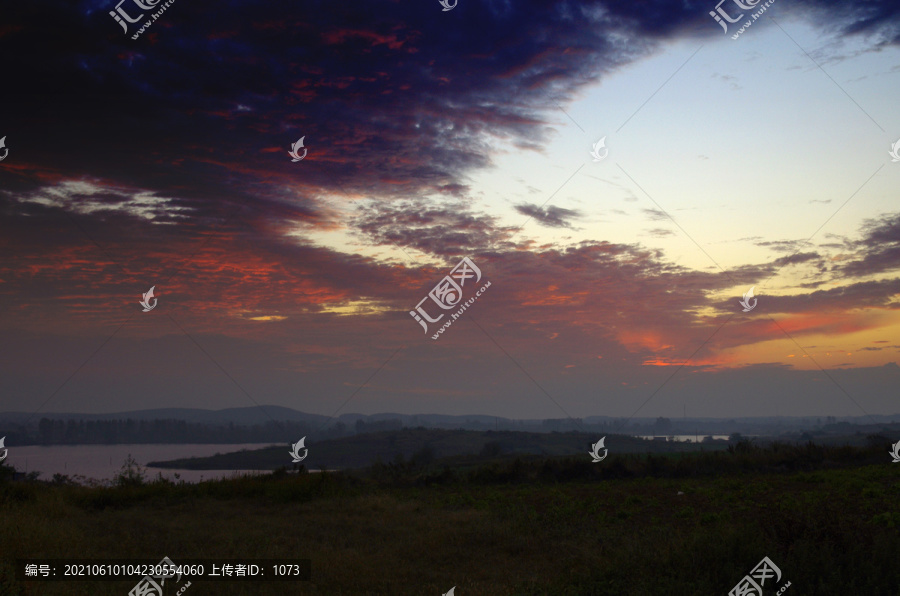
103, 462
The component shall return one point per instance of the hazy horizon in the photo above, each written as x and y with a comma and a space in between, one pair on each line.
863, 418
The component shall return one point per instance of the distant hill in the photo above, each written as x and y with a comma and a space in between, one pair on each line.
277, 424
264, 414
252, 415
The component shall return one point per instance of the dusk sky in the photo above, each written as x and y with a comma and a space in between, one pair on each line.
433, 135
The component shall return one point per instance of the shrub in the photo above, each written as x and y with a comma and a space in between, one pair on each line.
131, 474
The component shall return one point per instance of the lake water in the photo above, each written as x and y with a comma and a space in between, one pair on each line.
686, 438
103, 462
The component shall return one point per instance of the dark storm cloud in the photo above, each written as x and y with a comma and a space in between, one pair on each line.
879, 249
797, 258
880, 20
860, 295
552, 216
445, 230
393, 99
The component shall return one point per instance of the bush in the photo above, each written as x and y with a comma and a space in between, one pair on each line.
62, 479
131, 474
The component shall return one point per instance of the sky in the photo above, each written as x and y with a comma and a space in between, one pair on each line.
722, 162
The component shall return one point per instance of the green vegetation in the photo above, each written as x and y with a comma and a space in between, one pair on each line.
827, 516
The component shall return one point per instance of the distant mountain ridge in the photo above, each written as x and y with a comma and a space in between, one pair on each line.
263, 414
251, 415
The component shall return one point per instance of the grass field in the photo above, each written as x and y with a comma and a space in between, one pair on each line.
829, 518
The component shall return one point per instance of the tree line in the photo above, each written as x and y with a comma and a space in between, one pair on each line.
110, 432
